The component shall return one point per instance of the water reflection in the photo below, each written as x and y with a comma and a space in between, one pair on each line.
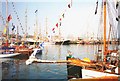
17, 69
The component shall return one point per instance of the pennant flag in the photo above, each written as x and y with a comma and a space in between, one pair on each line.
13, 26
117, 19
69, 6
49, 36
5, 30
60, 19
60, 23
41, 45
57, 25
9, 18
96, 7
36, 11
63, 15
53, 29
117, 4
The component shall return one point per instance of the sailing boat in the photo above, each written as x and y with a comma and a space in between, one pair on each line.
5, 49
110, 57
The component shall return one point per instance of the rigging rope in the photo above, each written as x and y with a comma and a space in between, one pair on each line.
112, 21
100, 29
17, 17
2, 18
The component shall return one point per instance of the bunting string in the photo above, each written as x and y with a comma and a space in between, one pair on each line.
18, 17
59, 23
3, 20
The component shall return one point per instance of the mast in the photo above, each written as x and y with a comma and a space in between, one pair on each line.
40, 35
36, 28
17, 34
46, 28
6, 23
104, 34
26, 23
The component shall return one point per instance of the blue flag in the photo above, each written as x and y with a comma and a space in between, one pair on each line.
41, 45
36, 11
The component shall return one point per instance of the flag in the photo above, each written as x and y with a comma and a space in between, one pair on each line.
117, 4
57, 25
49, 36
63, 15
13, 26
60, 19
5, 30
60, 23
53, 29
96, 7
41, 45
9, 18
117, 19
36, 11
69, 6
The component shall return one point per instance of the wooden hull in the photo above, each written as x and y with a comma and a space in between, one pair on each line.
24, 51
9, 55
90, 74
104, 78
100, 67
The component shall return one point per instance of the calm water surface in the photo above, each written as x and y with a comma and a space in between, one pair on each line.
17, 69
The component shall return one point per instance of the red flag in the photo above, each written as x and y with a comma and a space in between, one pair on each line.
60, 19
57, 25
53, 29
9, 18
69, 6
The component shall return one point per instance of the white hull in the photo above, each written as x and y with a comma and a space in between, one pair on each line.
9, 55
94, 74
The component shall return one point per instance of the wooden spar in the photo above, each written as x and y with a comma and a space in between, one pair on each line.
104, 34
35, 60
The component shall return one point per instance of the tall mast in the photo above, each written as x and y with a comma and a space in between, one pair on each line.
71, 2
26, 23
40, 35
46, 28
25, 34
17, 34
59, 30
6, 23
105, 45
36, 29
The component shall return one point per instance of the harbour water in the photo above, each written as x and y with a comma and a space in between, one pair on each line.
17, 69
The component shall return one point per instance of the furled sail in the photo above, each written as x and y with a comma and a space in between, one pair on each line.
118, 19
